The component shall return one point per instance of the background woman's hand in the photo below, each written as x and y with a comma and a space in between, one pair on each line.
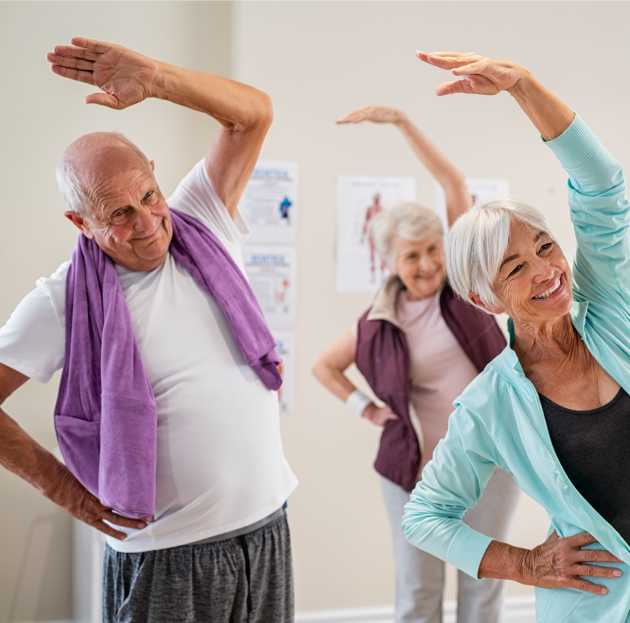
378, 415
125, 77
559, 563
480, 75
376, 114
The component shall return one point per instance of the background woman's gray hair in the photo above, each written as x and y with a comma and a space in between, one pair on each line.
476, 244
407, 220
70, 187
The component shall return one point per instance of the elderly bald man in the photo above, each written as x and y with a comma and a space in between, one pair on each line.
167, 414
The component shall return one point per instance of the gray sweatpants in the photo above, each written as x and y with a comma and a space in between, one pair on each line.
246, 579
420, 576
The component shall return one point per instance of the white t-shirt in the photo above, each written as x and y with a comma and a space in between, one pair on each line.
220, 463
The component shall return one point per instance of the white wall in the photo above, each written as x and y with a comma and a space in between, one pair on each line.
317, 60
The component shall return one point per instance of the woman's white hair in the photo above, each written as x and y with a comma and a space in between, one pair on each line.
407, 220
476, 244
70, 187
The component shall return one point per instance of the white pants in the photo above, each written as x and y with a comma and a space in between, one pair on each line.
420, 576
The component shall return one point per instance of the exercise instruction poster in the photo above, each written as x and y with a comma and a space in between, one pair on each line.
270, 202
272, 273
285, 346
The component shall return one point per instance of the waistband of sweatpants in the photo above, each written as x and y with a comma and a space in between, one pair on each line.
242, 531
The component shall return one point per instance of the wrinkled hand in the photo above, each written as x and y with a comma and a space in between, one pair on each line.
481, 75
126, 77
559, 563
376, 114
378, 415
71, 495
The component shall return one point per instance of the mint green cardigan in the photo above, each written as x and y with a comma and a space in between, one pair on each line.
498, 420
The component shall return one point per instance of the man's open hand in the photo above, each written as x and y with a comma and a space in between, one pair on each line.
480, 75
70, 494
126, 77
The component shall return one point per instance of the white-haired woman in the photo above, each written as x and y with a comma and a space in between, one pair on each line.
418, 347
553, 408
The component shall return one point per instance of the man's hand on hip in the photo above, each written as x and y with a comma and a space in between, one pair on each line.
71, 495
125, 77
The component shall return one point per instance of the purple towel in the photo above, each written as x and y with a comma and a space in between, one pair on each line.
106, 415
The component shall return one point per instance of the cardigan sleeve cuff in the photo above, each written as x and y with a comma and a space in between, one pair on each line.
467, 549
575, 146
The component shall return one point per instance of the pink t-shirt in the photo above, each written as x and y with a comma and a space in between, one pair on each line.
440, 369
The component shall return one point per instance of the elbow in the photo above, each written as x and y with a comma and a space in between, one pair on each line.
319, 370
264, 110
458, 182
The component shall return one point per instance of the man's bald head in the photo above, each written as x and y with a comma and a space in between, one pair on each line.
90, 161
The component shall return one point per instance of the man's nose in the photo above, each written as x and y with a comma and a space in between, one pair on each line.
143, 219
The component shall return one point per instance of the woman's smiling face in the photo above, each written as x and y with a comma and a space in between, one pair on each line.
420, 265
534, 281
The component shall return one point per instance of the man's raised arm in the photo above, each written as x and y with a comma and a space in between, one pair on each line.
126, 78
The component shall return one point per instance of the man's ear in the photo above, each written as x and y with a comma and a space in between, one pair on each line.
152, 165
476, 299
79, 222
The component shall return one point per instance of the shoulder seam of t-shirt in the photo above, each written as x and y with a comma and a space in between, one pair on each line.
237, 215
22, 368
233, 230
43, 282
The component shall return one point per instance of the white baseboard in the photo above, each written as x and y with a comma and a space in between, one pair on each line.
517, 610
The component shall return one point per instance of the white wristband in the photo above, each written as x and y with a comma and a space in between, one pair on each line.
357, 401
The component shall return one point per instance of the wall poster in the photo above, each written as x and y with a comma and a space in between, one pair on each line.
359, 198
478, 188
270, 202
285, 346
271, 271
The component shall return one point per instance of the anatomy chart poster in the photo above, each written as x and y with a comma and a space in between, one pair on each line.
359, 199
272, 273
478, 189
285, 341
270, 202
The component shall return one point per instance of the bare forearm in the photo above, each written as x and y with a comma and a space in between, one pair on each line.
334, 380
22, 455
547, 112
235, 105
441, 168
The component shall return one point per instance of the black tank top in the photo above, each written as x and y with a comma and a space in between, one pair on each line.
593, 448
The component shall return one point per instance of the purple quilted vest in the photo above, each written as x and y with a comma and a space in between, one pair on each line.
382, 357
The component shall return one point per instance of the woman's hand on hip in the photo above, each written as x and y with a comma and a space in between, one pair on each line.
480, 75
562, 563
378, 415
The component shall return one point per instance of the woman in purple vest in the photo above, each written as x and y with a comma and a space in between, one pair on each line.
418, 347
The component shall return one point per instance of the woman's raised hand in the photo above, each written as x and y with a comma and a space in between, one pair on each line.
480, 75
562, 563
376, 114
124, 76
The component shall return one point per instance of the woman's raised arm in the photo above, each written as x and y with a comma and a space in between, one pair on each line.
600, 210
441, 168
488, 76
